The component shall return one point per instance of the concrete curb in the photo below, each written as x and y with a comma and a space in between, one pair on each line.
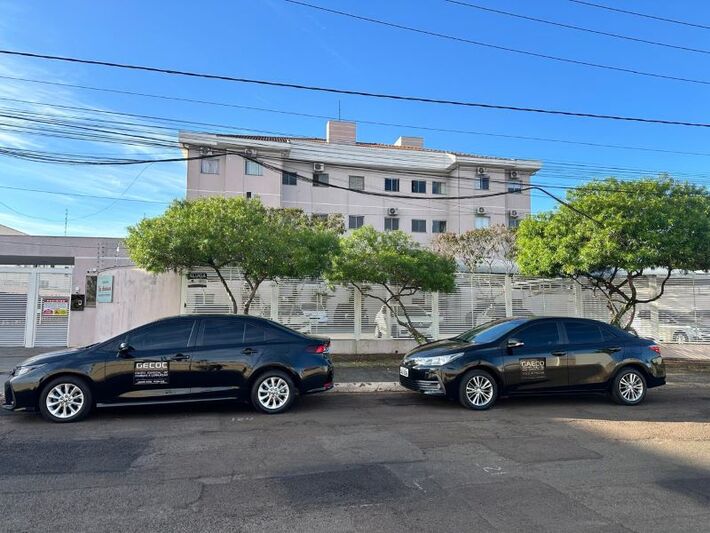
374, 386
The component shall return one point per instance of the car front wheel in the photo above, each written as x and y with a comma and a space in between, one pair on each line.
65, 399
478, 390
273, 392
629, 387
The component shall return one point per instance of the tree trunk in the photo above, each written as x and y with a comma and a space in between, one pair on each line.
253, 287
235, 308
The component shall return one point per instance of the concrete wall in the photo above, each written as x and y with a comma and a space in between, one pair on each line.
138, 298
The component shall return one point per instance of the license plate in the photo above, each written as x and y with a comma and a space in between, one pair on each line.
403, 371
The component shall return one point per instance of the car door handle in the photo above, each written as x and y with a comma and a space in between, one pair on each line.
248, 351
613, 349
559, 354
180, 357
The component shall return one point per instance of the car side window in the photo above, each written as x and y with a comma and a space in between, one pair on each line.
173, 334
256, 332
545, 334
582, 332
221, 331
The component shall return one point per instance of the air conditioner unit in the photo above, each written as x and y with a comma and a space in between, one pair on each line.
318, 167
250, 152
513, 174
481, 170
513, 213
392, 211
481, 210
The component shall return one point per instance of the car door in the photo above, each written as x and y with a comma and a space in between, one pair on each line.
592, 351
221, 358
155, 367
534, 358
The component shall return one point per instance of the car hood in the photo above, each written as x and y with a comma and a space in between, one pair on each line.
441, 347
51, 357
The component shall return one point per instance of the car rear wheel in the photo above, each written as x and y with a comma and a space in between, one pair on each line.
629, 387
478, 390
273, 392
65, 399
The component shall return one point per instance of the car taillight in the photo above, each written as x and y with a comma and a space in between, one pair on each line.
318, 348
655, 348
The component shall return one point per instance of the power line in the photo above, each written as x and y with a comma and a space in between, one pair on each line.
577, 28
498, 47
385, 96
354, 119
644, 15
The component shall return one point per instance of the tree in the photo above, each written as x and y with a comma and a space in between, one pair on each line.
479, 246
391, 260
223, 232
612, 231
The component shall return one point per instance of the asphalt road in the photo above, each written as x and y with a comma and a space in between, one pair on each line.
367, 462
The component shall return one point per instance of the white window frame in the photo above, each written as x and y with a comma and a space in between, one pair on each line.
442, 187
419, 182
394, 183
391, 220
419, 220
481, 218
357, 218
355, 179
251, 170
440, 222
317, 182
209, 166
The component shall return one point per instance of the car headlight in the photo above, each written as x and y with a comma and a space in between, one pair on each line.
438, 360
22, 370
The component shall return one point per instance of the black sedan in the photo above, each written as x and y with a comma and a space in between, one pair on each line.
519, 356
180, 359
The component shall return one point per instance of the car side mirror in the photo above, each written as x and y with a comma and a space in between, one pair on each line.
124, 349
515, 343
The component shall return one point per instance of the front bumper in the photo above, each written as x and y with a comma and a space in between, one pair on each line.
9, 397
424, 380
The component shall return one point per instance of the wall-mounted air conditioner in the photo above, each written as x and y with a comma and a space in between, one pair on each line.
513, 213
480, 171
318, 167
480, 210
513, 174
392, 211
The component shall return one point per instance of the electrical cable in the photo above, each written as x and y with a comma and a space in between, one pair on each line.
645, 15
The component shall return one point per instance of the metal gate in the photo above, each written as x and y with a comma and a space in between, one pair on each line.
34, 306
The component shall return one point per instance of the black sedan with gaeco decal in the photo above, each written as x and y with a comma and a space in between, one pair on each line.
179, 359
527, 356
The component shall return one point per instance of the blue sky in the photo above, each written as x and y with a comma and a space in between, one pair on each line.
272, 39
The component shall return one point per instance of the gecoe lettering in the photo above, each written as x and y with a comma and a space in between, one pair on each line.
532, 368
157, 365
151, 373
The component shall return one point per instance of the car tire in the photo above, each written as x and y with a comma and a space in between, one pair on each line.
629, 387
273, 392
66, 399
680, 337
478, 390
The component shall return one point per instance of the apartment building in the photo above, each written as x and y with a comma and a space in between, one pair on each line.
401, 186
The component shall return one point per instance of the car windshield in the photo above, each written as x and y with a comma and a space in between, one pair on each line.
490, 331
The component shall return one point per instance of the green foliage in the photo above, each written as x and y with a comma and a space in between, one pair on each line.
264, 243
477, 247
637, 225
392, 260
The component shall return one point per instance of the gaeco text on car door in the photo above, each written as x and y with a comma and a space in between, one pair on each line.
534, 358
155, 365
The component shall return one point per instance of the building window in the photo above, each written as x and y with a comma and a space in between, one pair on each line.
482, 183
515, 187
419, 186
438, 226
438, 187
252, 168
482, 221
391, 223
357, 183
320, 216
90, 291
513, 222
289, 178
418, 226
209, 166
320, 180
392, 184
355, 221
248, 195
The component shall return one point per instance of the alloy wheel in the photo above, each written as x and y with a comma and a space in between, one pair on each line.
273, 393
479, 390
631, 387
65, 400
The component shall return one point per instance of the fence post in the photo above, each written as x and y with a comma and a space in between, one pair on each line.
508, 294
653, 307
31, 309
357, 314
578, 302
275, 301
435, 315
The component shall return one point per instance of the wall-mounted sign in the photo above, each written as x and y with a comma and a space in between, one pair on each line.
197, 275
104, 288
55, 306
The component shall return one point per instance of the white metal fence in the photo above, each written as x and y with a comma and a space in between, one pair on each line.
682, 315
34, 306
